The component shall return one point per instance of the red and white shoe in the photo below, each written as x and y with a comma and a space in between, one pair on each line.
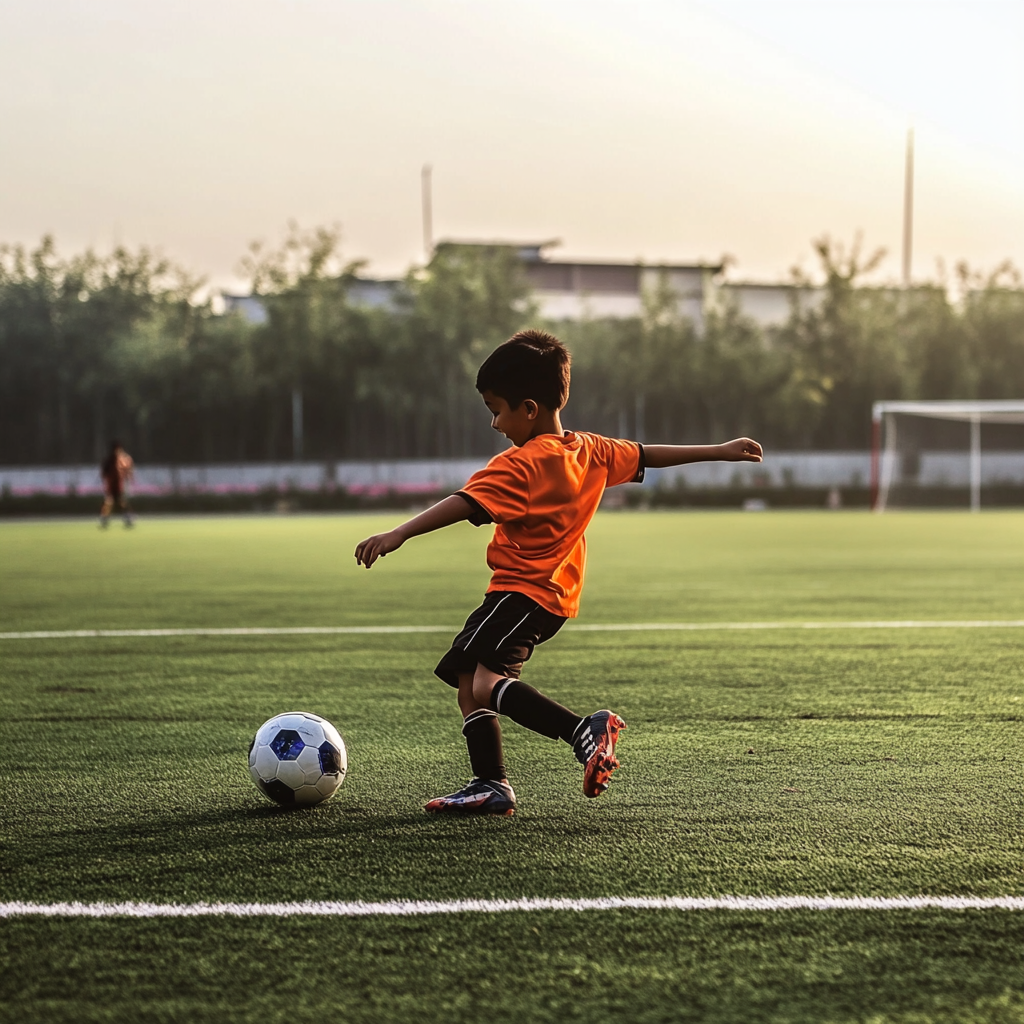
594, 747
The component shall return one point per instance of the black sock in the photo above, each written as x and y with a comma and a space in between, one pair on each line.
530, 708
483, 737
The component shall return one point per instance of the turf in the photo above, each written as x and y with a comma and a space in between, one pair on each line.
851, 762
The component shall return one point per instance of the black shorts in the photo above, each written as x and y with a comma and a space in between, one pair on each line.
500, 635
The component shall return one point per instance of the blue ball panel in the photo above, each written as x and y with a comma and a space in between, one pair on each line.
330, 758
287, 744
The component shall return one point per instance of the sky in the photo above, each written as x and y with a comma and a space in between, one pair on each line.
659, 130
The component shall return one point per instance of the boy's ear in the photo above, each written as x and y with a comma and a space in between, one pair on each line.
531, 408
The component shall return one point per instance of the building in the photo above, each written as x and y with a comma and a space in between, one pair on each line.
768, 305
250, 307
576, 289
601, 289
369, 292
374, 293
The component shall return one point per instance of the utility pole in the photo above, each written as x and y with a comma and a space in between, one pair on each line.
296, 424
908, 209
428, 211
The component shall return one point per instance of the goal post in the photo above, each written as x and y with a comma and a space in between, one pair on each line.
900, 436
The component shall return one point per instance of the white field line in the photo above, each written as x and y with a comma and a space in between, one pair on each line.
62, 634
855, 624
403, 908
597, 627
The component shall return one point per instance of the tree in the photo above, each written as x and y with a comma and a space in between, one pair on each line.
462, 305
303, 286
93, 345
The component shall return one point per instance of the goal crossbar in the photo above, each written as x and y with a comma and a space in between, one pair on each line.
975, 412
1010, 410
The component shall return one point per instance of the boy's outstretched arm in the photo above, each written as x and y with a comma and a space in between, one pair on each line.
452, 510
743, 449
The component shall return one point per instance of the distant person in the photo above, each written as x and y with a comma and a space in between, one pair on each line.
117, 469
541, 493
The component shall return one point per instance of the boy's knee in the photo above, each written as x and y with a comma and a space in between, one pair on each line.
467, 704
483, 682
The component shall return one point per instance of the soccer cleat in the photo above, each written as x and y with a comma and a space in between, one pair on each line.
594, 747
478, 796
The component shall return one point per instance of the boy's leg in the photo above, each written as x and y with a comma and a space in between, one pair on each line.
482, 730
488, 792
497, 639
592, 738
524, 705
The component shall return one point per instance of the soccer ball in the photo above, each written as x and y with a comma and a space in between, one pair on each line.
297, 759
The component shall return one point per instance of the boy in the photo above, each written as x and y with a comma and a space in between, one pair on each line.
117, 469
541, 493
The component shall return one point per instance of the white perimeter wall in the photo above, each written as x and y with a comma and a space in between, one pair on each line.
411, 476
421, 476
953, 469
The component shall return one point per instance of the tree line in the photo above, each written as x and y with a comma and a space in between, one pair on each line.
95, 346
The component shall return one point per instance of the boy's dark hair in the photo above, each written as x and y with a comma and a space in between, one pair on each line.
531, 364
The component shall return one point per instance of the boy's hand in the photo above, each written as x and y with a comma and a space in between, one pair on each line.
452, 509
743, 449
377, 546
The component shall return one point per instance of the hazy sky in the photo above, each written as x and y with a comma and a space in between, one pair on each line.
628, 128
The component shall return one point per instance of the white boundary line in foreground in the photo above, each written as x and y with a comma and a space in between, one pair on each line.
408, 908
597, 627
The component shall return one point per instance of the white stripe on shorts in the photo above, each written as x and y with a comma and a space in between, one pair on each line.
482, 624
515, 627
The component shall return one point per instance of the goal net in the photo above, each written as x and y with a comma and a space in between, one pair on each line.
947, 453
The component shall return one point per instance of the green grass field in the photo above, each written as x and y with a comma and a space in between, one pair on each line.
776, 762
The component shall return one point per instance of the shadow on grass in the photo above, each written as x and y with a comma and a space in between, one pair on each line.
233, 823
237, 851
335, 851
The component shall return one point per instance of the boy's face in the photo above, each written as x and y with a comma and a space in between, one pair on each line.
518, 425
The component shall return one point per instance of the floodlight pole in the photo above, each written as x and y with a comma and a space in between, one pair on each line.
908, 209
296, 424
976, 462
427, 200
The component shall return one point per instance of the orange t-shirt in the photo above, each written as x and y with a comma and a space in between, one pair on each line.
542, 497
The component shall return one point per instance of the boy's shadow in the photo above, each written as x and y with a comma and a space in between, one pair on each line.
216, 832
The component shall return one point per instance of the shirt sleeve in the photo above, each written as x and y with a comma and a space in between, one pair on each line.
478, 515
501, 489
625, 460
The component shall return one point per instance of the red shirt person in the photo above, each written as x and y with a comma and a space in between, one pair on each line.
117, 469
